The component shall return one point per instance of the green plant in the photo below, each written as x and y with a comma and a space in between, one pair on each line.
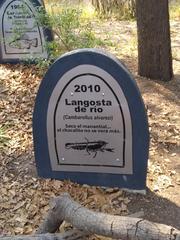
71, 31
174, 10
3, 137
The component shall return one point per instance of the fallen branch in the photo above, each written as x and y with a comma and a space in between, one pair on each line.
64, 208
53, 219
69, 235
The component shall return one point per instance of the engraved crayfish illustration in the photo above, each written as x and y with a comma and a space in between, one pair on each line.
90, 147
24, 42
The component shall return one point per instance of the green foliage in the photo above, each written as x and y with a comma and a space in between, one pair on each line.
71, 31
3, 137
121, 10
174, 10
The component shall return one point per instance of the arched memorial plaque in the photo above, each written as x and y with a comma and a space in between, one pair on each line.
90, 124
22, 37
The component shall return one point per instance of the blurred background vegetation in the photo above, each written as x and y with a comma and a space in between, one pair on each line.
121, 9
72, 22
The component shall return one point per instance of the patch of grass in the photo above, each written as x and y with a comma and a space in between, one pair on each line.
174, 11
54, 7
117, 15
4, 139
175, 54
119, 10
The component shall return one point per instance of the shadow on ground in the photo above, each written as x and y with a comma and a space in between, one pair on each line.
169, 90
156, 208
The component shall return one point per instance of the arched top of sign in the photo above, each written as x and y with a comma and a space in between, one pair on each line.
22, 37
89, 122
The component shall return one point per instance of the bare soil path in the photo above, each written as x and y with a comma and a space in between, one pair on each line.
24, 197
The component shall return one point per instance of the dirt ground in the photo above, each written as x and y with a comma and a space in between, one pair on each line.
24, 197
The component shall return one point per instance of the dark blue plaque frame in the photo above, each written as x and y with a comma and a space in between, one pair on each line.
140, 133
47, 33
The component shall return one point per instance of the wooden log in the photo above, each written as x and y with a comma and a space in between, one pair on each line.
69, 235
53, 220
125, 228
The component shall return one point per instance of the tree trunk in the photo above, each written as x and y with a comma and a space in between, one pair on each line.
154, 44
